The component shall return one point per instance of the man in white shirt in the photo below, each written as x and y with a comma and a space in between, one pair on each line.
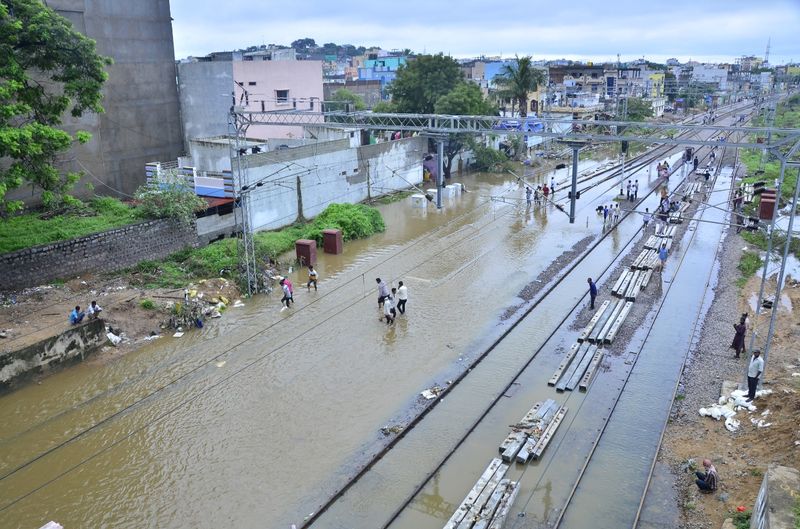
753, 373
402, 297
388, 309
94, 310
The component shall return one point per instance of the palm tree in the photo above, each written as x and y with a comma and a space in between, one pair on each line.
517, 80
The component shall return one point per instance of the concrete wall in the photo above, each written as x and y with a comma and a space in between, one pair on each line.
141, 122
204, 105
775, 506
71, 345
100, 252
325, 173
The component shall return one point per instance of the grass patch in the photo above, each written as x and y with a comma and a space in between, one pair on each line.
394, 197
741, 520
220, 259
680, 396
147, 304
31, 229
749, 264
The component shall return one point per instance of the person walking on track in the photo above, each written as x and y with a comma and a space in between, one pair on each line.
287, 295
383, 291
402, 297
312, 278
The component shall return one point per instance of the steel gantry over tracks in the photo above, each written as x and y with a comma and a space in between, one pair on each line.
782, 143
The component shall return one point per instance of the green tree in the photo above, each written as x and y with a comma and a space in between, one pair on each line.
344, 96
639, 109
304, 44
384, 107
465, 99
46, 68
517, 80
420, 83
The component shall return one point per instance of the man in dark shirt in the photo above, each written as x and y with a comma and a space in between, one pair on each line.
592, 292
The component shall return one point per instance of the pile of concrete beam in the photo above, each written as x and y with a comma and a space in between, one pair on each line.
578, 367
531, 435
667, 233
654, 242
646, 260
488, 503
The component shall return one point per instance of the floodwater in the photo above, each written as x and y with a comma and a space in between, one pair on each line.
373, 499
534, 349
258, 418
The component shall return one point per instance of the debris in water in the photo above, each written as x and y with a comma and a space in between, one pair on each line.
396, 429
177, 334
431, 393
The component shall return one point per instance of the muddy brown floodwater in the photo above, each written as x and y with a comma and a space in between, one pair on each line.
249, 421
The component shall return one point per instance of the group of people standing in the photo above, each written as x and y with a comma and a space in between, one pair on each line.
393, 301
663, 169
633, 191
536, 196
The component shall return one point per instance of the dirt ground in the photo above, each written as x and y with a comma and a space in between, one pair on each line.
741, 457
34, 314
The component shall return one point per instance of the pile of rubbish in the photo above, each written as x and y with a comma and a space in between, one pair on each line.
728, 406
196, 308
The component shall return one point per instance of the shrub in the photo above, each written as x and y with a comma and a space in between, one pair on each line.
741, 520
169, 196
488, 159
749, 264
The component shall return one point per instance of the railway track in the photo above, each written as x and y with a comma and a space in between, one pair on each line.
189, 377
625, 249
596, 442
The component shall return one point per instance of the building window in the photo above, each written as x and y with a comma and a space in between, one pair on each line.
282, 96
251, 83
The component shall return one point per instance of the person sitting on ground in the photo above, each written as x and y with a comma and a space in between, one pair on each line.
76, 316
94, 310
707, 481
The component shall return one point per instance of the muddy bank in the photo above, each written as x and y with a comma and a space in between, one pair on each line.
134, 314
741, 457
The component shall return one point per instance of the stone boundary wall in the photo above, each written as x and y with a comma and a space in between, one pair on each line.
70, 346
100, 252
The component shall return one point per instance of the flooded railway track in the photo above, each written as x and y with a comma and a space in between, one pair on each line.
626, 248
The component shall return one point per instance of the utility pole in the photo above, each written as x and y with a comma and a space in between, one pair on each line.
576, 146
440, 173
781, 275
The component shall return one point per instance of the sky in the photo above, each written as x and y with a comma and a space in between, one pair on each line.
704, 30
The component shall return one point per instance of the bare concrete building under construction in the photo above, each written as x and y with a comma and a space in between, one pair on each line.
141, 122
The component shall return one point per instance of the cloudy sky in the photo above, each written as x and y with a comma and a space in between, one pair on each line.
580, 29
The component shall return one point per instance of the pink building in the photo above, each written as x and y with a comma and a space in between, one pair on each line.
277, 85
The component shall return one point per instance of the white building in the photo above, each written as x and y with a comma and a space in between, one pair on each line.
711, 74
